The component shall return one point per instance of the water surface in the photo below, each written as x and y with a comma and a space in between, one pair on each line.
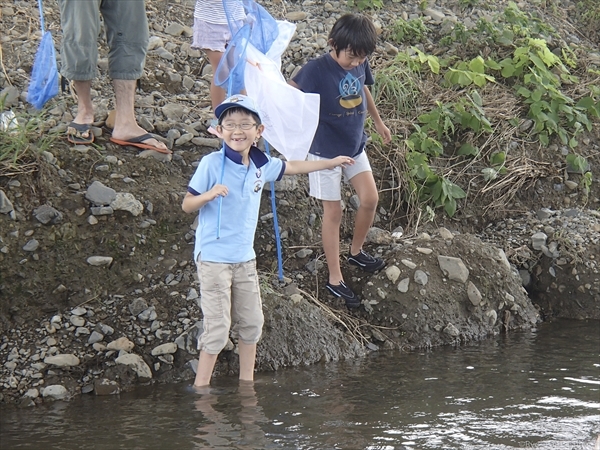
536, 389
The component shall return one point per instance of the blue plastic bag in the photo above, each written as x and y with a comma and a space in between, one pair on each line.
44, 75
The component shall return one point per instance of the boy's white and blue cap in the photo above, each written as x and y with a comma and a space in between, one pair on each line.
237, 101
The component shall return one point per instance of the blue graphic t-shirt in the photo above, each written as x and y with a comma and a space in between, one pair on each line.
343, 105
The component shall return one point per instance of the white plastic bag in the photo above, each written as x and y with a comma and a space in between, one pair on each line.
290, 116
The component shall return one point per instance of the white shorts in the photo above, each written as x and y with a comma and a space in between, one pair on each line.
211, 36
327, 184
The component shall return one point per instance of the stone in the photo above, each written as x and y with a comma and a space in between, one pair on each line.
392, 273
136, 363
453, 268
403, 285
6, 206
538, 240
473, 294
100, 260
62, 360
164, 349
445, 234
56, 392
120, 344
46, 214
408, 263
295, 16
420, 277
77, 321
137, 306
125, 201
95, 337
104, 386
451, 330
99, 194
31, 246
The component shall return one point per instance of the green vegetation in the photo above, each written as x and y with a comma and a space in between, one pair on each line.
365, 4
23, 138
408, 31
533, 83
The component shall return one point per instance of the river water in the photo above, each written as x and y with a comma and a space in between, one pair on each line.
537, 389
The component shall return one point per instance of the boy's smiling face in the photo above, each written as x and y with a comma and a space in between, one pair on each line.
240, 131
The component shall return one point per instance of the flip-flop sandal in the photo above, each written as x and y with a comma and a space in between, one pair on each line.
80, 133
139, 143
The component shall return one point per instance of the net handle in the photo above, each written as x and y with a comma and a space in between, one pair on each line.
41, 16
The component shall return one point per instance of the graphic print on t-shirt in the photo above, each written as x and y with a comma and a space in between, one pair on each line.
350, 89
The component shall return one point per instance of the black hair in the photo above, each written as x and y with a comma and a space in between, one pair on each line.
353, 32
239, 109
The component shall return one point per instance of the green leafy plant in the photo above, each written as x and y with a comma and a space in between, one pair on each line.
365, 4
577, 163
431, 187
413, 30
497, 163
542, 74
467, 73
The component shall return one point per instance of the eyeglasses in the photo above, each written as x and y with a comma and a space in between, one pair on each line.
234, 126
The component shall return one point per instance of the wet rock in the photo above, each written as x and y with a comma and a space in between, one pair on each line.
104, 386
55, 392
137, 364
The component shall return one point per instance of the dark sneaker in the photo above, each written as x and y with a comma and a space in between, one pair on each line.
366, 262
343, 291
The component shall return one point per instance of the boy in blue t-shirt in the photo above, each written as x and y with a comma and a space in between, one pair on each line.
341, 77
224, 252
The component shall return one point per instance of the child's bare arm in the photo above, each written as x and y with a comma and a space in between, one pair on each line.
292, 83
192, 203
294, 167
381, 128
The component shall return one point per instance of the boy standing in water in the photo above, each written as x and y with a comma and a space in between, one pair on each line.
226, 191
341, 78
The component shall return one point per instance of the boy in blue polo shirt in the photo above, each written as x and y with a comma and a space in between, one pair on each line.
224, 252
341, 78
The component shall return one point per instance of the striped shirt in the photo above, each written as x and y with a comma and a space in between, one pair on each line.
212, 11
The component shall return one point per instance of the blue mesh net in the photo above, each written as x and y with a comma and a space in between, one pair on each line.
44, 76
264, 26
230, 71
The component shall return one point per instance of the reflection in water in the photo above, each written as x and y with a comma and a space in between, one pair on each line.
232, 421
537, 390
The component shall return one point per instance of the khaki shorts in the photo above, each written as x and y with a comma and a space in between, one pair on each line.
127, 36
327, 184
230, 298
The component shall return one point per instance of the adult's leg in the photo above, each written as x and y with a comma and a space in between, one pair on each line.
330, 233
85, 107
80, 23
366, 189
127, 36
217, 94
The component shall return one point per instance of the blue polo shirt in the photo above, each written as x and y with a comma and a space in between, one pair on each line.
343, 106
240, 207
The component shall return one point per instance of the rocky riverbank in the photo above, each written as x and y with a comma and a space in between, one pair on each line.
98, 291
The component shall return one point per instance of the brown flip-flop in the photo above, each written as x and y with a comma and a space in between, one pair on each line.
139, 143
80, 133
